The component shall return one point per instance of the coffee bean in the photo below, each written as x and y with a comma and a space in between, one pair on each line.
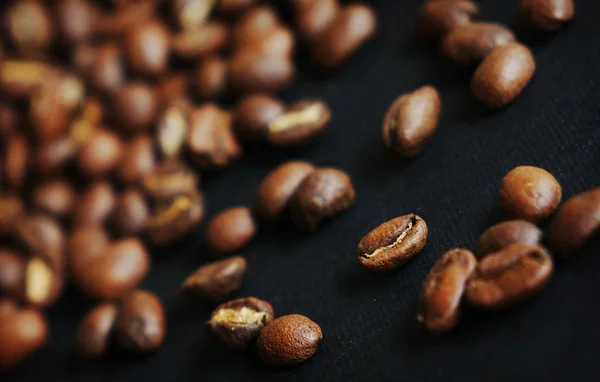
411, 121
42, 236
12, 209
299, 123
47, 111
529, 193
141, 323
107, 70
14, 160
576, 222
173, 219
43, 282
22, 332
138, 159
443, 290
279, 41
131, 213
506, 233
85, 246
172, 88
253, 114
237, 323
129, 14
254, 23
546, 15
289, 340
55, 197
9, 121
503, 75
100, 154
438, 17
209, 38
12, 273
211, 141
95, 205
322, 194
192, 14
169, 179
313, 17
75, 20
254, 71
136, 106
231, 230
50, 157
20, 78
469, 44
393, 243
512, 275
233, 6
210, 77
93, 334
217, 280
147, 47
29, 25
171, 131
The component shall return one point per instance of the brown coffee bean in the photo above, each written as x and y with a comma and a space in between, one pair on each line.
209, 38
438, 17
12, 273
131, 213
141, 323
107, 71
100, 153
411, 121
210, 140
21, 78
289, 340
278, 187
210, 77
43, 283
469, 44
576, 222
313, 17
299, 123
506, 233
95, 329
191, 14
9, 121
55, 197
233, 6
169, 179
40, 235
443, 290
50, 157
351, 28
129, 14
47, 112
11, 209
172, 88
546, 15
503, 75
29, 25
217, 280
237, 323
393, 243
252, 70
278, 41
322, 194
231, 230
14, 160
254, 23
509, 276
529, 193
138, 159
95, 205
147, 47
136, 106
75, 20
22, 332
254, 113
86, 245
175, 218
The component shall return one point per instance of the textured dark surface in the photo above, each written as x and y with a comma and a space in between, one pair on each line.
368, 321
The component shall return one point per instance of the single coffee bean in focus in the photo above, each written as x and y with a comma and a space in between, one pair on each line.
231, 230
217, 280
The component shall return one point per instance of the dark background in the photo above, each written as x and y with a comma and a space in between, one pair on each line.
368, 321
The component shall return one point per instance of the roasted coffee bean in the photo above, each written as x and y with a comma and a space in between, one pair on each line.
210, 140
231, 230
9, 121
171, 131
299, 123
138, 159
22, 332
313, 17
86, 245
136, 106
278, 41
107, 70
75, 20
529, 193
43, 283
237, 323
55, 197
100, 154
351, 28
253, 24
289, 340
443, 290
42, 236
11, 209
546, 15
512, 275
50, 157
12, 273
192, 14
14, 159
575, 223
95, 329
173, 219
172, 88
278, 187
469, 44
47, 112
129, 14
141, 324
169, 179
147, 47
254, 113
131, 213
233, 6
254, 71
393, 243
322, 194
411, 121
503, 75
506, 233
217, 280
211, 77
95, 205
438, 17
29, 25
209, 38
21, 78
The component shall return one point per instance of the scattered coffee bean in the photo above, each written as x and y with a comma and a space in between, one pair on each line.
20, 78
233, 6
191, 14
101, 153
95, 205
147, 47
76, 20
254, 23
95, 329
289, 340
237, 323
279, 41
546, 15
254, 112
313, 17
503, 75
131, 213
14, 160
169, 179
52, 156
254, 71
209, 38
210, 77
231, 230
29, 25
443, 290
175, 218
12, 273
11, 209
141, 323
136, 106
138, 159
576, 222
393, 243
171, 130
41, 235
438, 17
529, 193
506, 233
217, 280
107, 70
55, 197
512, 275
411, 121
299, 123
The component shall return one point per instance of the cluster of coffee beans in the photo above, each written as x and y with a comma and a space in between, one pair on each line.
108, 114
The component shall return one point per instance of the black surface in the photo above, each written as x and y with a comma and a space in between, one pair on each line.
368, 321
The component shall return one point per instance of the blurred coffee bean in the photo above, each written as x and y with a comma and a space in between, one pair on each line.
214, 281
20, 78
106, 71
254, 71
47, 112
12, 273
10, 119
172, 88
171, 131
438, 17
312, 18
29, 25
75, 20
14, 161
11, 209
131, 213
147, 46
231, 230
95, 329
55, 197
169, 179
233, 6
136, 106
254, 23
173, 219
43, 283
254, 113
50, 157
299, 123
141, 322
138, 159
209, 38
114, 24
506, 233
86, 245
546, 15
192, 14
95, 205
100, 154
42, 236
279, 41
210, 78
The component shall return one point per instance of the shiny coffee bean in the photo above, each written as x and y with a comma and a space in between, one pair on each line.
313, 17
443, 290
171, 130
100, 153
55, 197
29, 25
171, 88
575, 223
43, 283
529, 193
131, 213
173, 219
95, 205
50, 157
141, 324
289, 340
217, 280
11, 209
546, 15
253, 24
191, 14
47, 112
279, 41
503, 75
438, 17
231, 230
136, 106
393, 243
75, 20
95, 329
40, 235
85, 246
169, 179
209, 38
509, 276
254, 71
210, 78
254, 113
506, 233
107, 70
238, 322
147, 47
138, 159
299, 124
411, 121
322, 194
12, 273
20, 78
14, 161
